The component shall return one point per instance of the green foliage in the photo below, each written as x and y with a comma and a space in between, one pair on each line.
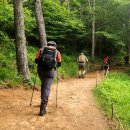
65, 26
112, 37
7, 20
6, 42
60, 24
69, 66
8, 74
68, 62
6, 17
8, 71
4, 2
30, 22
115, 89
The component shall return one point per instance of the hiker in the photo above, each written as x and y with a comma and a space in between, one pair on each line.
126, 58
82, 59
106, 64
48, 59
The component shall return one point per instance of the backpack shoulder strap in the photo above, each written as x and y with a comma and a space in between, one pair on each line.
56, 53
41, 51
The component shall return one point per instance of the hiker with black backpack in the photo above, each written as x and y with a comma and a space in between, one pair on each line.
48, 59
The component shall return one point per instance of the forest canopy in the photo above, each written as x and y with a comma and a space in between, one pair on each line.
69, 23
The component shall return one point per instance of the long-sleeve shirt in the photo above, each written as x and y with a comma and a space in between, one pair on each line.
82, 58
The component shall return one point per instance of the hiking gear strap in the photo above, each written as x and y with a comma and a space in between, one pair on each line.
56, 53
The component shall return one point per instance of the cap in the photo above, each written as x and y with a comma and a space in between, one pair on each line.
51, 43
81, 53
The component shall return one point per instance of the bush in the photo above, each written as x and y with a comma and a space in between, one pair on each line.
69, 66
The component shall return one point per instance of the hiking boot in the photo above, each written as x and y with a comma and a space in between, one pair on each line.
42, 112
42, 109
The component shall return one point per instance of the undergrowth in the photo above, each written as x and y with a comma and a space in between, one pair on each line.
115, 90
8, 68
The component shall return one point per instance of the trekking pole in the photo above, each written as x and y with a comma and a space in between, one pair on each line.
33, 89
78, 70
57, 88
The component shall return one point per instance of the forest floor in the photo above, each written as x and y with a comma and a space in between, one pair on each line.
76, 110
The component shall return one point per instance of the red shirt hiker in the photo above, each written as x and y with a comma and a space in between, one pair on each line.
48, 59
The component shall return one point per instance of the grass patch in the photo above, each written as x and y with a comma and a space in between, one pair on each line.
69, 66
115, 89
8, 77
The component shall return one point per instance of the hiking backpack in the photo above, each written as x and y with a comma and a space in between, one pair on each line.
47, 59
82, 58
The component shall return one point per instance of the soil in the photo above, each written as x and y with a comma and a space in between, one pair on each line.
76, 108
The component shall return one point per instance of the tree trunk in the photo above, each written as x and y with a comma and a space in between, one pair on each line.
40, 23
81, 11
21, 52
100, 47
128, 32
68, 6
93, 31
129, 48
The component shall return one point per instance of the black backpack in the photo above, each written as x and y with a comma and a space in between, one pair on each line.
47, 59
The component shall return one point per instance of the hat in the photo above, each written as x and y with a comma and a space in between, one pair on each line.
51, 43
81, 53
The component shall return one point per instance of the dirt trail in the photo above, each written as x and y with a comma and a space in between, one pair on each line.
76, 110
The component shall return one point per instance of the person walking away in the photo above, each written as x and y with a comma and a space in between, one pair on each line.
82, 59
48, 59
106, 65
126, 58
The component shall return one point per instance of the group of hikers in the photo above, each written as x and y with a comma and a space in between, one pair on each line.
83, 61
48, 60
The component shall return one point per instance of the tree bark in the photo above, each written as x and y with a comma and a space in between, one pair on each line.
20, 39
92, 12
81, 11
68, 6
40, 23
128, 32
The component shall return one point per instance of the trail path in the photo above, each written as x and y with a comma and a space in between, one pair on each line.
76, 110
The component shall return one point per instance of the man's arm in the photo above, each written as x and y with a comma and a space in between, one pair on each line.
38, 56
86, 59
58, 59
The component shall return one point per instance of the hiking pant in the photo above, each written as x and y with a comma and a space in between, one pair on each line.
106, 67
46, 78
82, 67
126, 62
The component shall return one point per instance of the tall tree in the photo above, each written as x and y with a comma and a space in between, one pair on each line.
92, 11
127, 28
93, 31
20, 39
40, 23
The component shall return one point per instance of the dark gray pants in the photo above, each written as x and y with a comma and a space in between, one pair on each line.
46, 78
